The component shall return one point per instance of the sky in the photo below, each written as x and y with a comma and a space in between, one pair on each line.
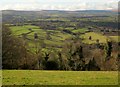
59, 5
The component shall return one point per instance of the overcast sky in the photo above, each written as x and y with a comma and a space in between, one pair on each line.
58, 4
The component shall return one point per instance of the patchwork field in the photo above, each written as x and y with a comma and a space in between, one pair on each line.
37, 77
97, 36
82, 30
18, 30
50, 38
54, 39
94, 37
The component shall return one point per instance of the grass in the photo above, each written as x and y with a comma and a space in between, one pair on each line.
37, 77
99, 36
55, 34
57, 37
18, 30
95, 36
115, 38
63, 35
41, 34
83, 30
53, 43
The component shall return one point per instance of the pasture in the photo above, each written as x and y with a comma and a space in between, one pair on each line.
82, 30
49, 37
38, 77
97, 36
115, 38
54, 39
94, 37
18, 30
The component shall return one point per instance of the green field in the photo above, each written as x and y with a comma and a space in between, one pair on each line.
56, 36
37, 77
102, 38
82, 30
115, 38
94, 36
18, 30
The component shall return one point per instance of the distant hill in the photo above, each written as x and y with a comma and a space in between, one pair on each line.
64, 11
60, 13
8, 15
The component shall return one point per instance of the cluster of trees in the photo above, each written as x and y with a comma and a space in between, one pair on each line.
74, 55
14, 51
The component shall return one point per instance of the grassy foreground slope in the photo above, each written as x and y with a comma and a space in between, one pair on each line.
37, 77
